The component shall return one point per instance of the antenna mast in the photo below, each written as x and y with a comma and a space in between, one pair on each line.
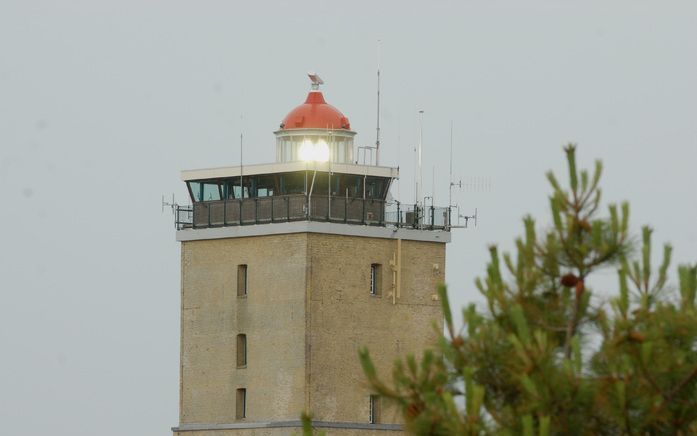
450, 190
241, 138
419, 183
377, 133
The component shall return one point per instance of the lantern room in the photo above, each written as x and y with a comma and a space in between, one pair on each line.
315, 131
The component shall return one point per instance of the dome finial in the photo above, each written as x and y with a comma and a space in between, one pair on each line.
315, 79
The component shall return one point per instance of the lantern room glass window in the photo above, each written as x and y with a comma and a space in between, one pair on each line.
295, 148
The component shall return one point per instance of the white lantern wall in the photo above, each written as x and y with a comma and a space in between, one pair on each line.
319, 145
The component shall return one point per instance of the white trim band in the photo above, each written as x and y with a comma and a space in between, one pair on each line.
286, 424
251, 170
440, 236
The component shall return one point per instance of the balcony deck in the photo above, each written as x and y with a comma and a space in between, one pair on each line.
301, 207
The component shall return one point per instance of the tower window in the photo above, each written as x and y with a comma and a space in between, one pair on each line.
375, 279
374, 411
241, 350
242, 280
241, 404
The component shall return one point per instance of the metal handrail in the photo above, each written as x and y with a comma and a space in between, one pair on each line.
297, 207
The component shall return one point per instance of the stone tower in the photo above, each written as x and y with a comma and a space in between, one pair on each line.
286, 270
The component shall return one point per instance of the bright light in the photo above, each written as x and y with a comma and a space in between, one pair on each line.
321, 151
314, 152
307, 151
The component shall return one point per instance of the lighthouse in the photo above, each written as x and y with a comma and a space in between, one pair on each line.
287, 269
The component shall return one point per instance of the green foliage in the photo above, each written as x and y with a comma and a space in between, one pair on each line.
548, 356
308, 430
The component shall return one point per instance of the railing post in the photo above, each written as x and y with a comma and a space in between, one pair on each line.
240, 211
272, 209
256, 210
346, 209
224, 212
208, 206
287, 208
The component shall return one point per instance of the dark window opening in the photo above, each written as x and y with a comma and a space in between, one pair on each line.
266, 186
375, 187
293, 183
348, 185
322, 181
235, 190
374, 411
242, 280
241, 404
375, 279
241, 350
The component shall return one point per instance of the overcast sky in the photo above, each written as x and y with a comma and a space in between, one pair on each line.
103, 103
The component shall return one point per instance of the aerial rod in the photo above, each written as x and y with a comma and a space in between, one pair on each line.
241, 148
173, 205
433, 185
467, 218
377, 129
419, 183
450, 188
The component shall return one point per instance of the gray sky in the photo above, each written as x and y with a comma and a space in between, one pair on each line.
102, 103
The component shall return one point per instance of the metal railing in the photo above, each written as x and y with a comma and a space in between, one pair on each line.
301, 207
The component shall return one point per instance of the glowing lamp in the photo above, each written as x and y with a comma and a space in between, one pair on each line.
321, 151
314, 151
307, 151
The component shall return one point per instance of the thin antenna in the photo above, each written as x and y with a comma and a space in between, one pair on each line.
241, 148
433, 185
467, 218
450, 189
399, 154
419, 184
175, 211
173, 205
416, 177
377, 132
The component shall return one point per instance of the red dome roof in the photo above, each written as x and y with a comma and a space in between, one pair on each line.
315, 113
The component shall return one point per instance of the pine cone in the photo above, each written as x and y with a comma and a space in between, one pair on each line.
413, 410
585, 225
569, 280
636, 336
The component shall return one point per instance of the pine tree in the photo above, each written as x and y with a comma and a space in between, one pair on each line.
550, 356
